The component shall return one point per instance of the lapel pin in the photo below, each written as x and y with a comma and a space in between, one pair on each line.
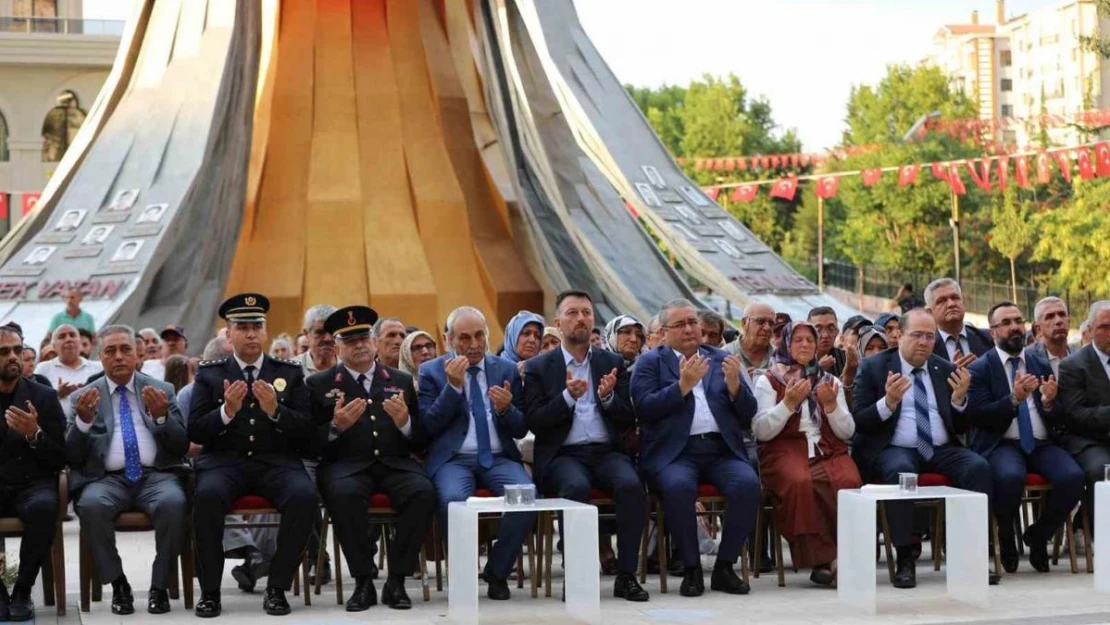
279, 384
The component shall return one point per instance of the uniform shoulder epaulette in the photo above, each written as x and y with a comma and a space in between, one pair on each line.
209, 363
286, 361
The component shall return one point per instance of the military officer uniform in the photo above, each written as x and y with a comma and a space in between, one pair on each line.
373, 455
250, 453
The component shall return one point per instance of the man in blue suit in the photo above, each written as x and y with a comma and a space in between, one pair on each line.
470, 408
1013, 408
693, 405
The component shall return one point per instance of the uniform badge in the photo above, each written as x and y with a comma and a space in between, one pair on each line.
279, 384
393, 389
333, 393
250, 300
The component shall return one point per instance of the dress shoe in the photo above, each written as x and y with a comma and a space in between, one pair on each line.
394, 595
4, 600
822, 576
208, 606
326, 579
693, 584
675, 568
498, 589
626, 587
1038, 552
123, 602
157, 601
1009, 554
275, 604
993, 579
20, 606
725, 579
365, 595
243, 576
906, 574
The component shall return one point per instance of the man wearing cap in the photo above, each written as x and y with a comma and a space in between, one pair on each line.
367, 422
173, 342
250, 413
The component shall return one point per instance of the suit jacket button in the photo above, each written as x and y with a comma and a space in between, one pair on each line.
253, 405
373, 418
250, 453
377, 452
252, 438
375, 433
252, 421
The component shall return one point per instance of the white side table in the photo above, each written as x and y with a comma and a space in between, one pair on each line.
579, 530
1102, 547
965, 532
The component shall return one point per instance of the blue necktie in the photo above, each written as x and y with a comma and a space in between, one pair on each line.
921, 409
1025, 423
132, 463
478, 412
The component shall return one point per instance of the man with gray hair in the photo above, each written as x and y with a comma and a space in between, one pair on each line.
321, 345
69, 371
1051, 316
956, 342
390, 333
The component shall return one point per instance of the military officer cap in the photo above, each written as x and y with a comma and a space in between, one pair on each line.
351, 322
246, 307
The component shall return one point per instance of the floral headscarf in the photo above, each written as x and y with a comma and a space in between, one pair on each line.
613, 328
787, 370
406, 363
512, 333
866, 337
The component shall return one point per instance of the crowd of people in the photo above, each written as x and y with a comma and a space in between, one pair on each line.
359, 404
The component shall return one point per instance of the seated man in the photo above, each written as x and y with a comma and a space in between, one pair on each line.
693, 405
1012, 406
468, 414
125, 445
909, 409
576, 402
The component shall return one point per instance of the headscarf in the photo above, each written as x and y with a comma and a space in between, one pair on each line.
551, 331
406, 363
613, 328
883, 319
513, 330
866, 337
787, 370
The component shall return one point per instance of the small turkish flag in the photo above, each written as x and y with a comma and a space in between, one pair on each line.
983, 180
763, 162
1021, 170
742, 164
1064, 162
1083, 160
1102, 159
785, 188
794, 161
1044, 172
827, 187
3, 205
29, 202
1003, 165
954, 180
712, 192
940, 171
730, 164
699, 164
871, 176
907, 175
776, 162
745, 193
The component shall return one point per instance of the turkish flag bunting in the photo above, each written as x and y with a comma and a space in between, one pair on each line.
981, 181
29, 201
776, 162
763, 162
1021, 170
907, 174
3, 205
1064, 162
785, 188
742, 164
828, 186
1003, 166
871, 176
940, 171
954, 180
1044, 171
1083, 160
794, 161
1102, 159
712, 192
730, 164
745, 193
805, 160
699, 165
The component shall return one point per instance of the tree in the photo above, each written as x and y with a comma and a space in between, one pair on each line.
1075, 238
1012, 232
884, 113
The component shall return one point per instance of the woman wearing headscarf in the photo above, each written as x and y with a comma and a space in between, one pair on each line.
523, 335
418, 348
871, 342
888, 323
803, 425
552, 339
624, 335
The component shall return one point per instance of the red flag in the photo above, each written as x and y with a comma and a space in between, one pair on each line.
1021, 170
871, 176
983, 182
1003, 166
1102, 159
699, 164
828, 186
742, 164
745, 193
3, 205
1083, 159
776, 162
29, 201
730, 164
954, 180
712, 192
1064, 162
763, 162
940, 171
785, 188
794, 161
1044, 172
907, 174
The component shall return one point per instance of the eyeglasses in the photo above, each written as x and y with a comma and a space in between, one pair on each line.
8, 351
761, 321
682, 325
430, 347
921, 337
1006, 323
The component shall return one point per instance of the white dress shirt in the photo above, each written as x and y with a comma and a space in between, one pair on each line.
772, 415
587, 425
243, 367
704, 421
1103, 358
470, 443
148, 448
1039, 431
154, 368
961, 339
905, 432
407, 430
54, 370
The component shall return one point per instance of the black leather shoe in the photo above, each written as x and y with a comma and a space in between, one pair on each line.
1038, 552
994, 579
675, 568
906, 574
394, 595
123, 602
626, 587
243, 576
498, 589
693, 584
157, 601
365, 595
20, 605
325, 579
275, 604
4, 600
208, 606
725, 579
1009, 554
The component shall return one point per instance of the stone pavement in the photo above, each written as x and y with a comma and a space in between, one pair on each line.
1025, 597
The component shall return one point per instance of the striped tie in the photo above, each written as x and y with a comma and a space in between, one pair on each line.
921, 409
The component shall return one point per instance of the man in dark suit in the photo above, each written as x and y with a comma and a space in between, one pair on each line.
126, 445
469, 412
955, 341
1085, 395
693, 406
909, 410
1051, 317
250, 413
575, 402
32, 452
368, 427
1013, 409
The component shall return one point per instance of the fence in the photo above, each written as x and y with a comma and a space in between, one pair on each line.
61, 26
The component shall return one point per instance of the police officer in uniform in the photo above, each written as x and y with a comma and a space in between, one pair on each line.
367, 417
250, 413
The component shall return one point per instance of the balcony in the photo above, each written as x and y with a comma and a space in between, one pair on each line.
61, 26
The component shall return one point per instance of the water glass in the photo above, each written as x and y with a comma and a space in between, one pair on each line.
1106, 472
527, 494
907, 483
513, 494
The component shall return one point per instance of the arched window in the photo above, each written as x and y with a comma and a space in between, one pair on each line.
61, 126
3, 139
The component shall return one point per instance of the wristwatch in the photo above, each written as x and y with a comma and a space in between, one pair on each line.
35, 438
1014, 401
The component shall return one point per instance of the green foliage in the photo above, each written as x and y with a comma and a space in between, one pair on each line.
1075, 238
1013, 231
884, 113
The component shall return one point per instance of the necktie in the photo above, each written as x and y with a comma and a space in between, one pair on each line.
248, 371
921, 410
478, 413
362, 382
958, 352
1025, 423
132, 463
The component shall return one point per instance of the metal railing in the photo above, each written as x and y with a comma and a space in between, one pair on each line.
61, 26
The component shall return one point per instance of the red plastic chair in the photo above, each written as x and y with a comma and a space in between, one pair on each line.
1036, 489
713, 502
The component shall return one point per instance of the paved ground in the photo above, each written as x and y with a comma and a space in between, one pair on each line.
1024, 598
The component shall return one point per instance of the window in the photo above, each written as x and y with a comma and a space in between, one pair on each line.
1007, 110
1007, 84
34, 15
61, 126
3, 139
1006, 58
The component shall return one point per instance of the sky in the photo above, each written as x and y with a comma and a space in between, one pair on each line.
804, 55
